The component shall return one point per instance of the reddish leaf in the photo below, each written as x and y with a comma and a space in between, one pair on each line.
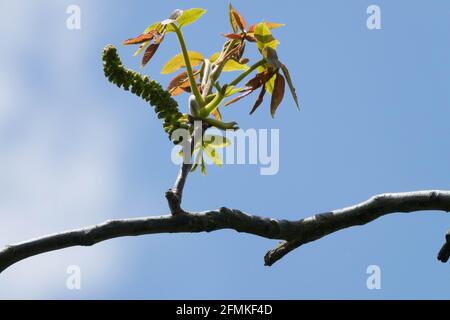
233, 22
239, 20
233, 36
277, 94
149, 52
250, 37
270, 25
260, 79
246, 93
180, 83
142, 38
259, 100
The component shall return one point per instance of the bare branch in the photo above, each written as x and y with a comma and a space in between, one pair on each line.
295, 233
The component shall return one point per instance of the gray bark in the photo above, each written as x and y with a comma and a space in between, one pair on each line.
294, 233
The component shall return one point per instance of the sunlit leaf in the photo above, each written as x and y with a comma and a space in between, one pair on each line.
270, 25
180, 83
216, 141
214, 57
177, 62
233, 36
239, 20
141, 48
203, 167
260, 99
149, 53
189, 16
213, 154
260, 79
270, 84
141, 38
232, 90
233, 22
246, 93
216, 113
290, 84
233, 65
263, 34
264, 37
155, 26
277, 94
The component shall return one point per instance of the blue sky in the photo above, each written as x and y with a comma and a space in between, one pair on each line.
76, 150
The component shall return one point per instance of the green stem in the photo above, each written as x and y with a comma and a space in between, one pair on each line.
192, 82
247, 72
210, 107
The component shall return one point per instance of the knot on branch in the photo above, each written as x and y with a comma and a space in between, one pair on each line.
444, 253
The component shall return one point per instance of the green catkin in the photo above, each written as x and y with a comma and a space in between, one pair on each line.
151, 91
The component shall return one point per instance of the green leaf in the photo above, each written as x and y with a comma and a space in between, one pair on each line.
141, 48
291, 86
177, 62
155, 26
189, 16
214, 57
213, 155
264, 37
203, 167
233, 65
231, 90
216, 141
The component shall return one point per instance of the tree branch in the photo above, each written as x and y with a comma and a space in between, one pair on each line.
174, 195
295, 233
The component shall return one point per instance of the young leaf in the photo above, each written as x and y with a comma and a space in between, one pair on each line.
141, 48
203, 167
180, 83
216, 141
189, 16
278, 94
270, 25
233, 36
239, 20
155, 26
177, 62
264, 37
233, 22
259, 100
149, 53
260, 79
271, 57
214, 57
141, 38
233, 65
291, 86
213, 155
263, 34
232, 90
216, 113
246, 93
